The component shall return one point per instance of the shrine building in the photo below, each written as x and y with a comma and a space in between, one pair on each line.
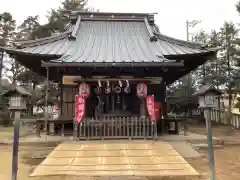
123, 60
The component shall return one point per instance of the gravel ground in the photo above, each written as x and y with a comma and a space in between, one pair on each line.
227, 161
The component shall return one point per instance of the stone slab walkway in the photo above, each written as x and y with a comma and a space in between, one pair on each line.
185, 149
115, 158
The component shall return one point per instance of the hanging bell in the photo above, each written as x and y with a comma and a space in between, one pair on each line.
118, 89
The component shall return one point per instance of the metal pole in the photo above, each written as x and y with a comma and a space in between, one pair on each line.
46, 104
15, 145
210, 144
187, 28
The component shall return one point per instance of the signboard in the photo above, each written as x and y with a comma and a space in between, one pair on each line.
70, 80
84, 90
142, 90
79, 108
150, 107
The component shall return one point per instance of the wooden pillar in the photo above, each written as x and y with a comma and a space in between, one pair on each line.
162, 91
142, 108
164, 104
113, 103
38, 128
61, 94
46, 102
1, 62
62, 129
52, 128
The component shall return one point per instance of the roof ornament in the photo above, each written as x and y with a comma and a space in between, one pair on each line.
152, 38
112, 16
91, 16
73, 35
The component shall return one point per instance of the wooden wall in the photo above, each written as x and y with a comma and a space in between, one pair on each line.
69, 93
68, 106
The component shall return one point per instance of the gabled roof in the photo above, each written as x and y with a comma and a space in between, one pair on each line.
109, 38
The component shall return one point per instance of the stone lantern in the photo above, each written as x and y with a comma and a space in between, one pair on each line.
208, 97
18, 97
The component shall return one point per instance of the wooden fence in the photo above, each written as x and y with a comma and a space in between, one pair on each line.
224, 117
221, 117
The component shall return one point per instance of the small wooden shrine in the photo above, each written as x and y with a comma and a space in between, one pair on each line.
124, 60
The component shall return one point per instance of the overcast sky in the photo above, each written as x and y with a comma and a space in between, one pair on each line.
171, 17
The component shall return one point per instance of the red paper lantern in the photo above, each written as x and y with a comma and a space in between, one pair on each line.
84, 90
142, 90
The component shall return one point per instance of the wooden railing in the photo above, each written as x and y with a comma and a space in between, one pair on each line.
116, 128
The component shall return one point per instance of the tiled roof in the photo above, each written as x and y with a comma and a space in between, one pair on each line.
105, 38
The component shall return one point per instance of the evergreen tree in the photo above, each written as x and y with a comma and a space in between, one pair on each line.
7, 29
227, 58
29, 29
56, 18
7, 34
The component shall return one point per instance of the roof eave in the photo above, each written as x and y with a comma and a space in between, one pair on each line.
113, 64
210, 52
29, 43
20, 52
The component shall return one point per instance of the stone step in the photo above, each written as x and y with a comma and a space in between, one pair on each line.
205, 146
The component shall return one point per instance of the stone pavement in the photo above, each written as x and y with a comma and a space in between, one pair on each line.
115, 158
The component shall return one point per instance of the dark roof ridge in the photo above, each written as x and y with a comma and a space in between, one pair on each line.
45, 40
108, 13
106, 16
